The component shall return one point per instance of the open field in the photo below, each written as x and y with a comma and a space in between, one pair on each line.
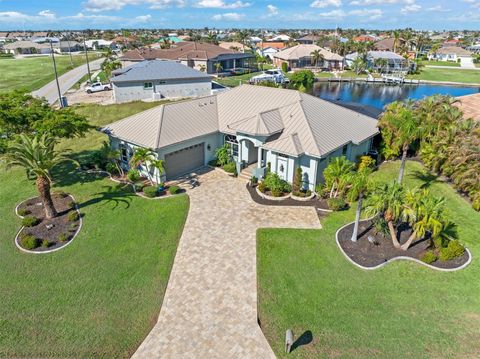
100, 296
403, 310
35, 72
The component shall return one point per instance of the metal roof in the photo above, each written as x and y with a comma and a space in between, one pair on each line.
157, 70
305, 50
294, 123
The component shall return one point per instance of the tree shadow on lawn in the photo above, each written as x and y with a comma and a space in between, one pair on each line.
68, 173
118, 194
426, 177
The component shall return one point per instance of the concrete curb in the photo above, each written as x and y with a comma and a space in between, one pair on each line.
398, 258
52, 250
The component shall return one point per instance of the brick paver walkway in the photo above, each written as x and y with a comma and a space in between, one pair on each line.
210, 305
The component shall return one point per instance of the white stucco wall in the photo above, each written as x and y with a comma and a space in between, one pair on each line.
135, 91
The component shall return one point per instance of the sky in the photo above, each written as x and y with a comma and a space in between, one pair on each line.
116, 14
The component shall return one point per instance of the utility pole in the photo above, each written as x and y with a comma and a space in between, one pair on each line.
70, 50
56, 75
88, 64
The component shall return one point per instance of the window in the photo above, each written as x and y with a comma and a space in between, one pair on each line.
344, 150
123, 153
232, 142
148, 85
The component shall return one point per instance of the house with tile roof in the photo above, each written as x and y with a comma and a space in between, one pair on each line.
263, 127
198, 55
451, 53
300, 56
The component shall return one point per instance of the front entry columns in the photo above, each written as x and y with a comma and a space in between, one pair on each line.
259, 157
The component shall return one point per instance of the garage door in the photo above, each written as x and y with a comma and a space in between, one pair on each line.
185, 160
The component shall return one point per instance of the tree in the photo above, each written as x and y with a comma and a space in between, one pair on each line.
336, 175
112, 156
110, 65
37, 155
297, 181
387, 201
142, 157
396, 40
159, 165
400, 121
303, 78
360, 183
317, 57
359, 65
218, 67
203, 68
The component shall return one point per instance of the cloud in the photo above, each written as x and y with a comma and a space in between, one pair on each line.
272, 10
380, 2
115, 5
220, 4
368, 14
334, 14
143, 18
229, 16
326, 3
411, 8
438, 8
18, 17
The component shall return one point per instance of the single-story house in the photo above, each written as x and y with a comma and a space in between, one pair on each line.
67, 46
3, 36
26, 48
309, 39
300, 56
96, 44
263, 126
198, 55
157, 79
450, 53
233, 45
391, 61
267, 52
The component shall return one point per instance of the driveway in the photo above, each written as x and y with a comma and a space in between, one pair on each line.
210, 305
66, 81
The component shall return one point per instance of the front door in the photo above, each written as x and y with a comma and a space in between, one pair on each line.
282, 165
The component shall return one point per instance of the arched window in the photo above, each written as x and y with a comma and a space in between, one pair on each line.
232, 142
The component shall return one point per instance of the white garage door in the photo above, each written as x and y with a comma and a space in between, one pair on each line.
185, 160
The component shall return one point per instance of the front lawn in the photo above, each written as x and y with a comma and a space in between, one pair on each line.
403, 310
440, 63
447, 75
101, 295
34, 72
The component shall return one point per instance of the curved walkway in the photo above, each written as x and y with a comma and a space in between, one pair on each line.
210, 305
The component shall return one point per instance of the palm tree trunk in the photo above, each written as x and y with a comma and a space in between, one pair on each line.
402, 165
357, 218
396, 244
43, 187
331, 191
409, 242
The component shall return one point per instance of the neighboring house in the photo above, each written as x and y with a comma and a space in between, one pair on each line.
386, 44
157, 79
198, 55
267, 52
96, 44
451, 53
43, 40
3, 37
309, 39
453, 42
365, 38
263, 126
392, 62
300, 56
67, 46
233, 45
281, 38
26, 48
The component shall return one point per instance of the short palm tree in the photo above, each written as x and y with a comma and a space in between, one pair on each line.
218, 67
317, 57
336, 173
360, 183
159, 165
359, 65
37, 156
142, 157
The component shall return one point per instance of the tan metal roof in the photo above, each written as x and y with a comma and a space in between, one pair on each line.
294, 123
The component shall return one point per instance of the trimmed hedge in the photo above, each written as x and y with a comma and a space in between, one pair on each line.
230, 167
453, 250
30, 242
336, 204
150, 191
30, 221
174, 189
429, 257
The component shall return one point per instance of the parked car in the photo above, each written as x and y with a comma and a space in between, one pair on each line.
273, 75
97, 87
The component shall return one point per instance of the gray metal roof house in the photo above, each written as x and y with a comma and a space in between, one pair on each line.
263, 126
156, 79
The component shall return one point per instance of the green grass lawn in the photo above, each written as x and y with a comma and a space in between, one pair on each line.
440, 63
35, 72
100, 296
433, 74
403, 310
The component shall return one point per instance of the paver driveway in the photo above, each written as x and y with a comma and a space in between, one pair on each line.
210, 305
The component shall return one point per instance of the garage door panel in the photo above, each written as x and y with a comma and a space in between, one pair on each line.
183, 161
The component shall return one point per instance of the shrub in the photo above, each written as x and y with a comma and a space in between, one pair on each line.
73, 216
429, 257
440, 242
73, 227
230, 167
150, 191
111, 168
453, 250
30, 221
30, 242
139, 186
303, 78
261, 187
476, 202
23, 212
297, 180
223, 155
254, 180
336, 204
276, 185
380, 226
321, 190
365, 162
284, 67
45, 243
133, 175
71, 204
174, 189
306, 193
63, 237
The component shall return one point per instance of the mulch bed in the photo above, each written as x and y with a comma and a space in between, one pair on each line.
315, 202
370, 255
61, 224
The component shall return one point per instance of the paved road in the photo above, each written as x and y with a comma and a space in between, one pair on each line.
210, 305
67, 80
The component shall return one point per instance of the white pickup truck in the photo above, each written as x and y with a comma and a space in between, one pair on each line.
273, 75
97, 87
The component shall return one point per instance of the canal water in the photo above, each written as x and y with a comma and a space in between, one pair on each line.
379, 95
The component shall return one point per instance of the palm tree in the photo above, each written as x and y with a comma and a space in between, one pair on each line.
387, 201
142, 157
359, 184
336, 173
359, 65
218, 67
400, 120
203, 68
317, 57
37, 156
113, 156
159, 165
396, 40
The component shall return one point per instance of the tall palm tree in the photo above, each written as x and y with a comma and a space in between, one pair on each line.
142, 157
359, 185
401, 121
317, 57
37, 156
387, 201
396, 40
335, 173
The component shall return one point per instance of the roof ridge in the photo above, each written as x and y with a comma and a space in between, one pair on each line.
310, 131
159, 133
